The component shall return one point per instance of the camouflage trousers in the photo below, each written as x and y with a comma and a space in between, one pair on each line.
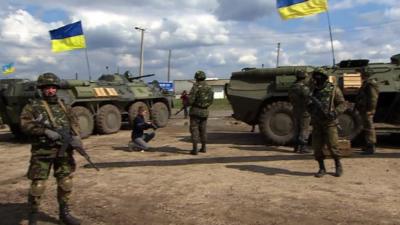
368, 128
325, 135
38, 173
302, 128
198, 129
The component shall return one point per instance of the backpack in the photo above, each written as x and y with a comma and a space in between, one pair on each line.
204, 96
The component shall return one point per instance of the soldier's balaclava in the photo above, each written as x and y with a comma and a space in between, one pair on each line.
320, 80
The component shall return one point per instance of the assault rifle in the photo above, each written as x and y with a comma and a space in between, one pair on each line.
318, 104
66, 139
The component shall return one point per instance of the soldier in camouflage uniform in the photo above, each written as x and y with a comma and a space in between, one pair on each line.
200, 98
298, 95
326, 103
366, 102
40, 118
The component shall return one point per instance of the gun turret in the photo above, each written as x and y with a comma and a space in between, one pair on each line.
129, 76
139, 77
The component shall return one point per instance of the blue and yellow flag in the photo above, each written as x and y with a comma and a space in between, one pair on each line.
68, 37
8, 69
289, 9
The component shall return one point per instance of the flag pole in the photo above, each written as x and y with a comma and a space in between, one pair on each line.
330, 35
88, 65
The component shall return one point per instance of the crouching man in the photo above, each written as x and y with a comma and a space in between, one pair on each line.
139, 138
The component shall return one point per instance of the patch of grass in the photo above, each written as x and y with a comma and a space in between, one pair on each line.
218, 104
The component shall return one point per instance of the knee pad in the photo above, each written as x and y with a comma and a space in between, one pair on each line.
65, 183
37, 188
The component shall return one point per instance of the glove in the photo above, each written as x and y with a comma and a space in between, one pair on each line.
76, 142
52, 135
332, 115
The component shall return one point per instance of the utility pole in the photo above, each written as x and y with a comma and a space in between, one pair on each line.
169, 65
141, 50
278, 54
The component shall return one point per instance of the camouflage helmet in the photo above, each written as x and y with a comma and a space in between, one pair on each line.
200, 75
320, 71
48, 79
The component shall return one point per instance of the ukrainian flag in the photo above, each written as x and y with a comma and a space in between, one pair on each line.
8, 68
68, 37
289, 9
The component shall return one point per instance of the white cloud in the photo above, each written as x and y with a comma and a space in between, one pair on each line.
127, 60
216, 59
393, 13
347, 4
213, 35
248, 59
22, 29
317, 45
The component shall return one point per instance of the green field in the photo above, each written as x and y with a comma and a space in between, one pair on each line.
219, 104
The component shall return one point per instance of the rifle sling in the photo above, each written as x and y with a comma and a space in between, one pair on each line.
51, 116
65, 110
332, 101
48, 110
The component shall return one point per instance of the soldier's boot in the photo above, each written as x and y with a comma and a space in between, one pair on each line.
338, 168
322, 171
33, 218
369, 150
65, 216
296, 148
194, 149
203, 148
304, 149
33, 211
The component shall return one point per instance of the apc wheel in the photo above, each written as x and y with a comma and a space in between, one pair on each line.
133, 109
350, 124
86, 121
277, 124
160, 114
108, 119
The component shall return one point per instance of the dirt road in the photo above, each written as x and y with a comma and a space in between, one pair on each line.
238, 181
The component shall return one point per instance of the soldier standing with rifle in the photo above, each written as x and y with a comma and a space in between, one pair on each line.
200, 98
326, 103
366, 102
298, 95
40, 119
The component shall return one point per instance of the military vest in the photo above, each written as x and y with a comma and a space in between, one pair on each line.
60, 117
323, 95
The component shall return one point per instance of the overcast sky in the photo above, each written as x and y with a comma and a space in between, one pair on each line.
217, 36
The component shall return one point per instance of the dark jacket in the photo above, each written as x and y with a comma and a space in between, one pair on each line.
185, 100
139, 125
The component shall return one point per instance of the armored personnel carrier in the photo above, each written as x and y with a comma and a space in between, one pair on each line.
101, 106
260, 97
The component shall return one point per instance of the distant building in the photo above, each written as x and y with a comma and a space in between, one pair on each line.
216, 84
